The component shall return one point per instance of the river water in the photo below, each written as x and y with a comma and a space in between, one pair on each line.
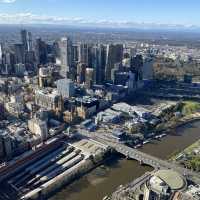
106, 178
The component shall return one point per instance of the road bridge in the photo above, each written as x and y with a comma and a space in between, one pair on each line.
141, 157
150, 160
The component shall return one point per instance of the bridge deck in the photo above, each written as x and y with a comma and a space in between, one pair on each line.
150, 160
142, 157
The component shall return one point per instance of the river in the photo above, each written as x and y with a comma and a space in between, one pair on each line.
106, 178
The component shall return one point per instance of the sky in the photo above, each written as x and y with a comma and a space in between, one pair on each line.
115, 13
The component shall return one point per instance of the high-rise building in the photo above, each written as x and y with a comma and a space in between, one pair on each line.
7, 145
30, 42
114, 71
131, 83
1, 54
81, 68
65, 50
74, 54
136, 66
98, 55
56, 50
49, 100
20, 69
89, 77
9, 62
24, 39
38, 127
65, 87
15, 106
30, 57
19, 53
41, 51
43, 77
9, 58
83, 54
2, 111
114, 55
147, 69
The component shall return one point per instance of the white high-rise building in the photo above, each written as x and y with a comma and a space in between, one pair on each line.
65, 48
38, 127
65, 87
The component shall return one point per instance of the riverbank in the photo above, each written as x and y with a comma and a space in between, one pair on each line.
85, 156
188, 119
46, 174
124, 189
189, 157
192, 149
173, 124
62, 180
178, 122
105, 179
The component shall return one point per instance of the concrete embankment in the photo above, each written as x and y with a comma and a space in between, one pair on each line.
62, 179
54, 169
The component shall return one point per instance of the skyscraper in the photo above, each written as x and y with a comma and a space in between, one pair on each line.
9, 62
81, 68
30, 57
19, 53
65, 50
83, 54
136, 66
89, 77
24, 39
1, 54
114, 55
30, 42
98, 55
27, 41
41, 51
65, 87
74, 54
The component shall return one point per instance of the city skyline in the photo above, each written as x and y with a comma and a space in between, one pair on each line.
126, 14
77, 99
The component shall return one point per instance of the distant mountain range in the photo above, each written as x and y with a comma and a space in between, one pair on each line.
33, 19
134, 27
167, 35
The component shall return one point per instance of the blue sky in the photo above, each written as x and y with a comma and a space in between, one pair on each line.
108, 12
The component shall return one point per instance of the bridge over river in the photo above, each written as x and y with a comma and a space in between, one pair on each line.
140, 156
152, 161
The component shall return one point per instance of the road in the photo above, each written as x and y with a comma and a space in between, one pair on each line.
132, 186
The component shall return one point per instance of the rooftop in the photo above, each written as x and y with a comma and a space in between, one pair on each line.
173, 179
89, 147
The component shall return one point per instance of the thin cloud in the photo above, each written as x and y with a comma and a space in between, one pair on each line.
30, 18
7, 1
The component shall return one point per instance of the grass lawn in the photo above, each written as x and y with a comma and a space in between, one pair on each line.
190, 107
